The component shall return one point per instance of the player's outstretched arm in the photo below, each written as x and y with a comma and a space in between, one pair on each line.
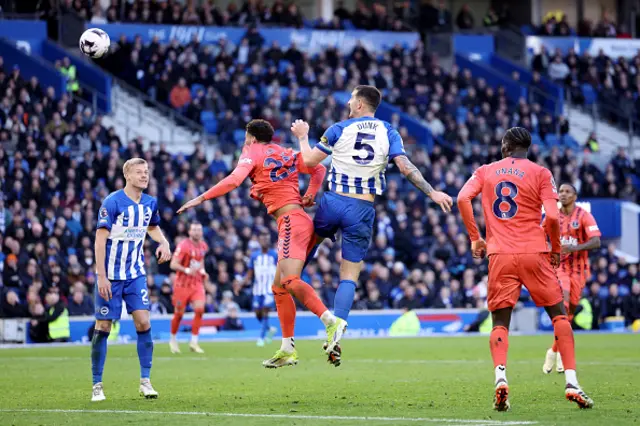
164, 249
226, 185
310, 157
413, 175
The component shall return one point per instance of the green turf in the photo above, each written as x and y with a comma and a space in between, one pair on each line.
430, 378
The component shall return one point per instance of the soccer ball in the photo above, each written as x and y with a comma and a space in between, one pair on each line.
94, 43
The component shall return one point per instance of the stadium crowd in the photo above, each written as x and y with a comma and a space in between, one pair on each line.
235, 83
57, 162
555, 23
277, 13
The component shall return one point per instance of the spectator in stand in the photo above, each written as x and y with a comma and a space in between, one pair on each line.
491, 19
465, 20
614, 305
632, 304
11, 307
558, 70
180, 94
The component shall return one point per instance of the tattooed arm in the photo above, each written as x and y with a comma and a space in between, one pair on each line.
413, 175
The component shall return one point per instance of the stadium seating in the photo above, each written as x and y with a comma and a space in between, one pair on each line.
414, 246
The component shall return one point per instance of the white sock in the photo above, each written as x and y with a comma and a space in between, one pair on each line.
327, 318
173, 338
288, 344
194, 339
501, 373
570, 377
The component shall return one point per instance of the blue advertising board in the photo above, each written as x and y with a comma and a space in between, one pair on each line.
612, 47
310, 41
361, 324
27, 35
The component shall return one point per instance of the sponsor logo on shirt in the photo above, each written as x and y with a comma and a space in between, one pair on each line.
147, 215
568, 241
245, 161
593, 228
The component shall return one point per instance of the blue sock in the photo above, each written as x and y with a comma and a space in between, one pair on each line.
98, 354
312, 254
344, 299
145, 353
265, 326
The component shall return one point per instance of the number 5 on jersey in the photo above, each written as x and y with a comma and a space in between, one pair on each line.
361, 144
505, 207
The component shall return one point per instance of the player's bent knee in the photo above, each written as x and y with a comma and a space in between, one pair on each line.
278, 289
350, 270
103, 325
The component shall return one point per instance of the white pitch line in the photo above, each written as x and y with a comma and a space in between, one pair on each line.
350, 361
279, 416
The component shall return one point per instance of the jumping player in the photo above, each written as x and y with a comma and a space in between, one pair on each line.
579, 233
262, 272
188, 262
124, 219
361, 148
514, 190
274, 174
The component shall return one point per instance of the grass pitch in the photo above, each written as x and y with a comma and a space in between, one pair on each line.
445, 381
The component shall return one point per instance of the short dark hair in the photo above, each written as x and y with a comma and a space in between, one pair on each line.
262, 130
570, 185
518, 137
370, 95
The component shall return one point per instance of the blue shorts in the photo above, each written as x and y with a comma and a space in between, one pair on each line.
353, 217
263, 301
134, 293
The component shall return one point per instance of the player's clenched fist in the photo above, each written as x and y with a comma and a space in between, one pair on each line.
479, 248
300, 128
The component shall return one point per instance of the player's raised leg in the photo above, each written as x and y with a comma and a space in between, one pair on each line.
136, 297
286, 309
198, 312
356, 221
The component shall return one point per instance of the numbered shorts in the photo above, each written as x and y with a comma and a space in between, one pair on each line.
183, 295
295, 235
353, 217
573, 284
263, 301
133, 292
509, 272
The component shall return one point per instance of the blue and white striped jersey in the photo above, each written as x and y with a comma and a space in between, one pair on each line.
127, 222
264, 271
360, 150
